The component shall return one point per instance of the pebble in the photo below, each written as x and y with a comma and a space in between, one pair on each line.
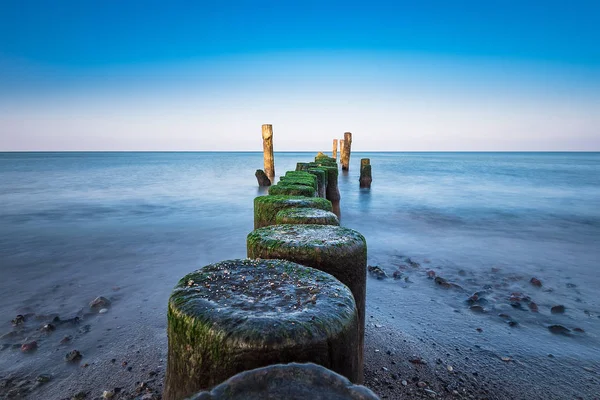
384, 368
107, 394
430, 392
449, 368
404, 383
27, 347
99, 303
43, 378
536, 282
560, 309
73, 356
102, 311
421, 384
559, 329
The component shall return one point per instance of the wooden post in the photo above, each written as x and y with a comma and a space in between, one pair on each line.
219, 323
346, 152
338, 251
365, 173
267, 135
335, 147
342, 146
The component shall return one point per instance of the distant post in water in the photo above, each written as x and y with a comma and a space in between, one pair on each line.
346, 151
267, 135
342, 146
365, 173
335, 147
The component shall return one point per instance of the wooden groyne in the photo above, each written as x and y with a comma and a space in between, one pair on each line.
299, 296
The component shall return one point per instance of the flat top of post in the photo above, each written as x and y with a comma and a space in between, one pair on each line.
267, 131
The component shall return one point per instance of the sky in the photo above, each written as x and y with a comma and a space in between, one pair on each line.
205, 75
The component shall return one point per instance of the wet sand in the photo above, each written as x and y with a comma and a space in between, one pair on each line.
408, 354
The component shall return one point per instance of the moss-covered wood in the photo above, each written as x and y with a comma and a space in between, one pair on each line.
237, 315
321, 175
290, 382
332, 192
313, 216
300, 177
267, 207
365, 176
339, 251
291, 189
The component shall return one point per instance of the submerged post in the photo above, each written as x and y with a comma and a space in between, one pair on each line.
335, 147
365, 173
267, 135
346, 151
342, 146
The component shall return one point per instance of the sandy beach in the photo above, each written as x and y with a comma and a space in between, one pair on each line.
405, 357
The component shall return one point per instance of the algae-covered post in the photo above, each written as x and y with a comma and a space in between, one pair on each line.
312, 216
365, 173
335, 147
267, 207
287, 381
346, 152
339, 251
267, 135
238, 315
262, 178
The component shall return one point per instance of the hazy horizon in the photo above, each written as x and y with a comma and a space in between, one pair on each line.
205, 77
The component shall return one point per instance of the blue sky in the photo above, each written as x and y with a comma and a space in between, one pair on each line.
429, 75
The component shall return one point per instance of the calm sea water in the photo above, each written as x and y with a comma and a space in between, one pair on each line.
129, 225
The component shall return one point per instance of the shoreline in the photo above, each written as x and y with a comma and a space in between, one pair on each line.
404, 358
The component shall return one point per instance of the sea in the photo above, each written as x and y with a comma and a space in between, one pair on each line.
129, 225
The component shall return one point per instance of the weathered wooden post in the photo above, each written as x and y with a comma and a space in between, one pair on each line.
267, 207
287, 381
310, 216
262, 178
346, 152
342, 145
335, 147
365, 173
238, 315
339, 251
267, 135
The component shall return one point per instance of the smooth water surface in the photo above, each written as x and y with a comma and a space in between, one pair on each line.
128, 225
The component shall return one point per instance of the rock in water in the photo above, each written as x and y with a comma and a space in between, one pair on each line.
559, 329
19, 320
73, 356
262, 178
536, 282
99, 303
376, 272
291, 382
242, 314
29, 347
560, 309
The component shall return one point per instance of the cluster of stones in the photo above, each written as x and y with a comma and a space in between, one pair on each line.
299, 297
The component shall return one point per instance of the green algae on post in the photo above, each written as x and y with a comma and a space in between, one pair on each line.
292, 190
321, 176
287, 381
313, 216
267, 207
342, 252
241, 314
